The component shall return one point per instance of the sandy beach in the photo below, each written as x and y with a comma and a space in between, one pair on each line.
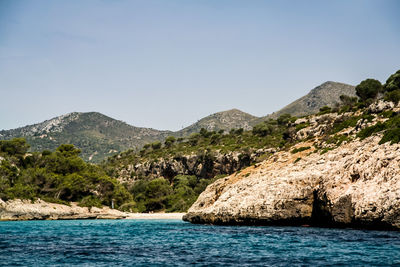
155, 216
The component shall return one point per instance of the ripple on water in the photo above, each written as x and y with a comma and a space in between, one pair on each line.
176, 243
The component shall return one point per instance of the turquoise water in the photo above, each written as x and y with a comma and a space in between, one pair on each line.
176, 243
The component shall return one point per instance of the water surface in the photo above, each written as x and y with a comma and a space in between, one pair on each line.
177, 243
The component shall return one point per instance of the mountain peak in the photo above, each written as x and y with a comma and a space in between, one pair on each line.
326, 94
223, 120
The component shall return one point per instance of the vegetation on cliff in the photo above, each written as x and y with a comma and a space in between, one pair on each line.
176, 190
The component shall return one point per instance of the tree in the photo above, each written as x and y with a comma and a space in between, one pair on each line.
156, 145
393, 82
169, 141
284, 119
262, 129
68, 150
15, 146
368, 89
194, 139
204, 133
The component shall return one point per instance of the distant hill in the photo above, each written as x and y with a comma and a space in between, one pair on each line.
97, 135
224, 120
326, 94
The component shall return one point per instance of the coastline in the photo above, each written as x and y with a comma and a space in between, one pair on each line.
156, 216
25, 210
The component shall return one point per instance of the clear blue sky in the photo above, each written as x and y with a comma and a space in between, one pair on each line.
166, 64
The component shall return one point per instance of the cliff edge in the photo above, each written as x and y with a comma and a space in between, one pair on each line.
356, 184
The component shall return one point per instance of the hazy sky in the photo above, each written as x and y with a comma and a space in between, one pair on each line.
166, 64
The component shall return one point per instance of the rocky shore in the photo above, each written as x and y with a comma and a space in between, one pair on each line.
21, 210
354, 185
16, 210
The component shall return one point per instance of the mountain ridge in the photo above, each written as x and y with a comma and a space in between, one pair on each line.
100, 136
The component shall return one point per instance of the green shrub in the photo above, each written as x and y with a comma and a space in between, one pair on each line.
300, 149
16, 146
393, 96
393, 82
262, 129
368, 89
324, 110
284, 119
302, 126
169, 141
340, 125
368, 131
156, 145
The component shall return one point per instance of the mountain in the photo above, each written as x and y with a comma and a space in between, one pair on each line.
97, 135
326, 94
224, 120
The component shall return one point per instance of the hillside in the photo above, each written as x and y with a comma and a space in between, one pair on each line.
97, 135
326, 94
225, 120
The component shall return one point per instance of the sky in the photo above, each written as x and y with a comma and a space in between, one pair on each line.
166, 64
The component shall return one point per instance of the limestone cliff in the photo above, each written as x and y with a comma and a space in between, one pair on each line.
355, 184
205, 165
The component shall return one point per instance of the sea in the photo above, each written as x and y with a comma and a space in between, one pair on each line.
178, 243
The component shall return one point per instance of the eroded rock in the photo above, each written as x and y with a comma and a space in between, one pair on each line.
357, 184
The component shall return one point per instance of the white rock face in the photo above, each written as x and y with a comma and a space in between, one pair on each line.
357, 184
14, 210
380, 106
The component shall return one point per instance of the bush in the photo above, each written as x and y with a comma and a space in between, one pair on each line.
368, 89
169, 141
393, 82
324, 110
300, 149
392, 136
204, 133
156, 145
393, 96
262, 129
366, 132
284, 119
194, 139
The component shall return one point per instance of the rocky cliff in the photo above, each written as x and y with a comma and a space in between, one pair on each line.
354, 183
204, 165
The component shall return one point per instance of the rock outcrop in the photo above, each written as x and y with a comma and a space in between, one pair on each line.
17, 210
356, 184
205, 165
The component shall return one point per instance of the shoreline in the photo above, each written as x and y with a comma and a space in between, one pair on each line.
26, 210
155, 216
